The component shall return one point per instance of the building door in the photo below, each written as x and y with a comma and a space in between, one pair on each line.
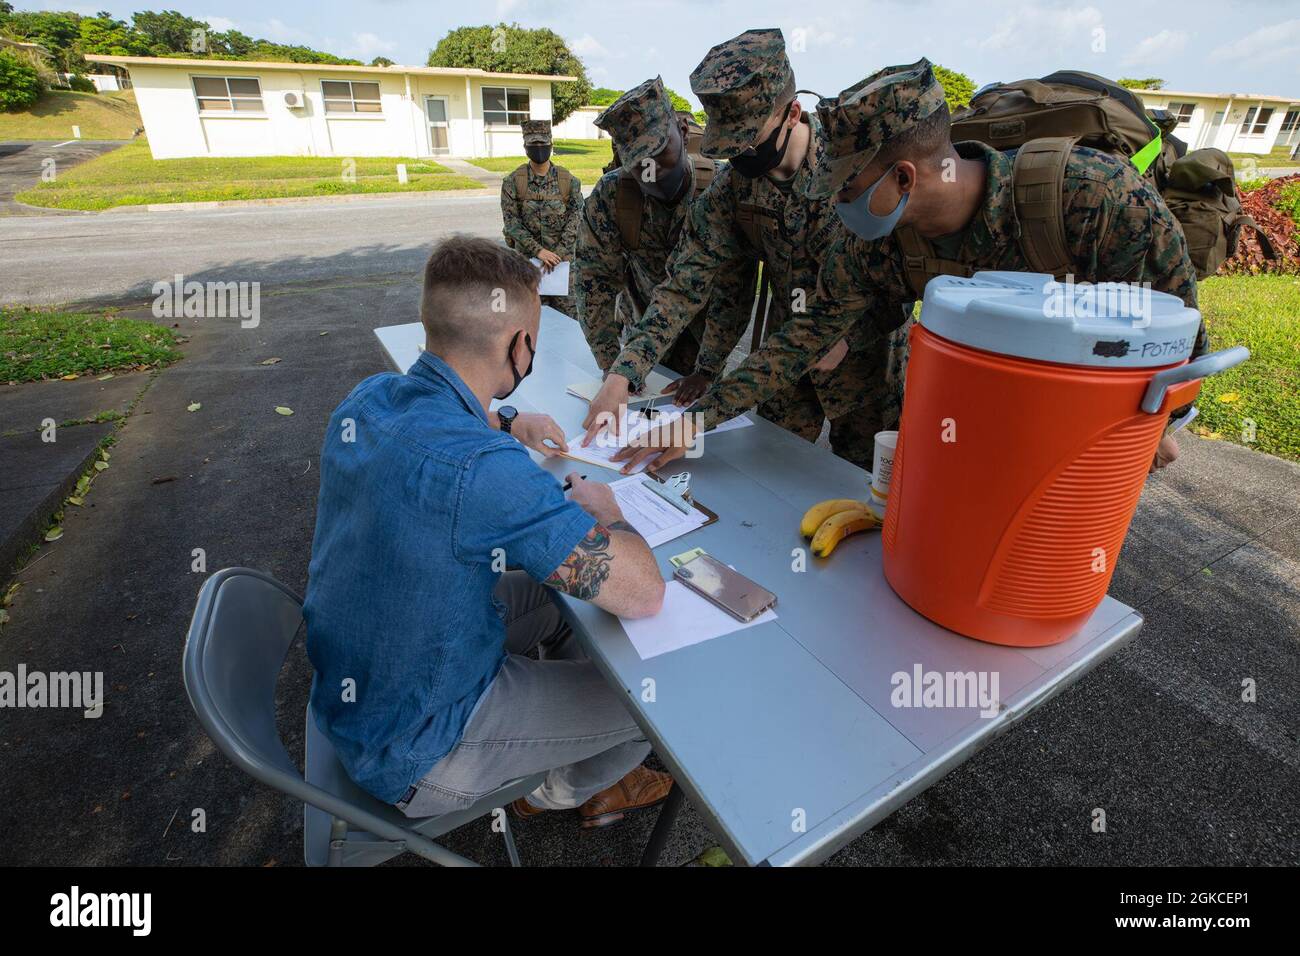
435, 111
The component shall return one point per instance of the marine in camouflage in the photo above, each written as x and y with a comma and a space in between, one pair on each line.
548, 222
792, 236
613, 284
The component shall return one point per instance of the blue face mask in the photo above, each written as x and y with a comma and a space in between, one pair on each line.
861, 221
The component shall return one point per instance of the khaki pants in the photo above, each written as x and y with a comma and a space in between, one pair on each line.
554, 714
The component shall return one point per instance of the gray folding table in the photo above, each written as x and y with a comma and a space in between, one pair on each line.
783, 735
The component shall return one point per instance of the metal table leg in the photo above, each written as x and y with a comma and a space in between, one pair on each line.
663, 826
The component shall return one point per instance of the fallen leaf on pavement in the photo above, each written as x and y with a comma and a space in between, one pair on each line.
70, 378
54, 534
76, 501
283, 410
104, 378
270, 361
193, 406
101, 465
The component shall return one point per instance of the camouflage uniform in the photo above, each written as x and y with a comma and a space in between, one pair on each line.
742, 83
531, 225
1116, 225
639, 122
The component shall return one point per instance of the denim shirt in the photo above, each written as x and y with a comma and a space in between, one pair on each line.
421, 505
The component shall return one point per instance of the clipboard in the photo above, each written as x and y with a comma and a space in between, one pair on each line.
710, 517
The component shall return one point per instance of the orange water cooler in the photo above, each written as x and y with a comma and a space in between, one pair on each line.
1031, 416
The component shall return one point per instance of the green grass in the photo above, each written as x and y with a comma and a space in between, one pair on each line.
1279, 157
130, 176
1262, 313
100, 116
585, 158
44, 344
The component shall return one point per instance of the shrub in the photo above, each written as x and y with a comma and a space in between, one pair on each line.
20, 84
81, 84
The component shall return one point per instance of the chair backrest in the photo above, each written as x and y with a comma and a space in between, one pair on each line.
242, 627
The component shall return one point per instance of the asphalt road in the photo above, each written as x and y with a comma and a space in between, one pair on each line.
51, 260
22, 163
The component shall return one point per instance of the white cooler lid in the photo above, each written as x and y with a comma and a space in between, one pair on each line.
1030, 315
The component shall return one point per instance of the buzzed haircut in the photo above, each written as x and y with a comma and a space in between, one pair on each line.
475, 289
925, 141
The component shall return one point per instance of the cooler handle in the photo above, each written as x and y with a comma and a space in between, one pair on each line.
1202, 367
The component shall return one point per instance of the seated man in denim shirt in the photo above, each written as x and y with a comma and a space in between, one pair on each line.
417, 631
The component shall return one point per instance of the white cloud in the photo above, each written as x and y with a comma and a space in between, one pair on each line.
1157, 48
802, 37
1267, 44
588, 45
366, 46
1056, 31
220, 24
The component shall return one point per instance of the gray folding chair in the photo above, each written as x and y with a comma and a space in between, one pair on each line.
243, 624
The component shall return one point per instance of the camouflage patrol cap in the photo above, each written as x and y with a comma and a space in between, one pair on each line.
639, 122
855, 124
536, 132
741, 83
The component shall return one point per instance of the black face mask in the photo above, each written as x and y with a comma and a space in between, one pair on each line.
762, 158
668, 186
510, 358
538, 154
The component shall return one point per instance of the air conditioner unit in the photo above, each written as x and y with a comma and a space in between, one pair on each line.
293, 100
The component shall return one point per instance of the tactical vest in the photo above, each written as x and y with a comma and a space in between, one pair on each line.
524, 191
1045, 119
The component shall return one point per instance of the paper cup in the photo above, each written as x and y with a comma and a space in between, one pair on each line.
882, 466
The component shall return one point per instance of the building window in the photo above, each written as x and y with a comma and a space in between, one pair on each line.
1183, 111
347, 96
1256, 122
1290, 121
228, 94
505, 105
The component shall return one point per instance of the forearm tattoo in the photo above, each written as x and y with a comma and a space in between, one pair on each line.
586, 568
622, 525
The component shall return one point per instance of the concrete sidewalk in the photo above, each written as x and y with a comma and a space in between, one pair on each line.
1159, 737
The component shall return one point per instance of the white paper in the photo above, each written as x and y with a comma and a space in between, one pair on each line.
685, 619
555, 282
655, 519
606, 445
740, 421
654, 389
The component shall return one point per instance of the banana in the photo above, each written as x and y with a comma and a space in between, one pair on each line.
818, 513
839, 526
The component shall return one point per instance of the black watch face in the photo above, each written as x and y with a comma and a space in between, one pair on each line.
507, 413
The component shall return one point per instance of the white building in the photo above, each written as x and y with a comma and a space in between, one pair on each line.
580, 124
1232, 122
242, 108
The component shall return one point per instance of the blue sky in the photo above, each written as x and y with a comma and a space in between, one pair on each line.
1208, 46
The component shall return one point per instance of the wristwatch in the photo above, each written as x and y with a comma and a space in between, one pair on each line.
507, 414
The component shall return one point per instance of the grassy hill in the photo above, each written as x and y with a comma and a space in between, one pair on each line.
100, 116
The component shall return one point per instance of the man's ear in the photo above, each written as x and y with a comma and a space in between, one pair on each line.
905, 175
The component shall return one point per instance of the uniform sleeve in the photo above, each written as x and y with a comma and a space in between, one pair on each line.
512, 222
855, 284
599, 273
573, 215
508, 503
710, 246
730, 308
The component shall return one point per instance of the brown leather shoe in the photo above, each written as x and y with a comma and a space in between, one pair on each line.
641, 788
525, 810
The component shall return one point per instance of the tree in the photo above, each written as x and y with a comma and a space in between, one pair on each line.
1149, 83
104, 35
603, 96
6, 6
56, 32
958, 88
20, 83
170, 31
381, 61
516, 49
